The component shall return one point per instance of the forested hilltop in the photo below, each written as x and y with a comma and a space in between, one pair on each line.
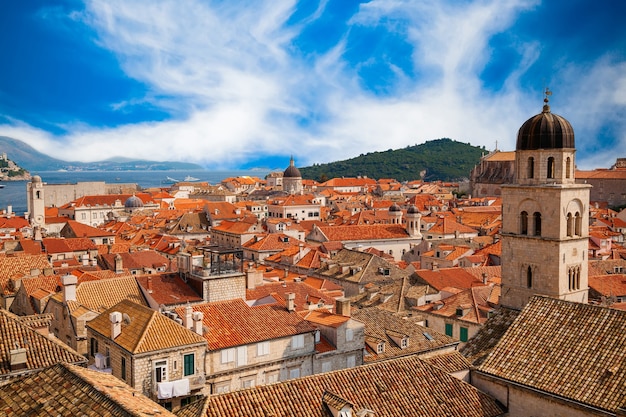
440, 159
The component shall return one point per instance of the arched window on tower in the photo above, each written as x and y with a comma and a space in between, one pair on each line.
523, 223
537, 218
551, 167
529, 277
38, 195
531, 167
570, 224
578, 224
568, 167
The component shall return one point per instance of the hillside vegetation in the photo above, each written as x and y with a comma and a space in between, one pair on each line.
441, 159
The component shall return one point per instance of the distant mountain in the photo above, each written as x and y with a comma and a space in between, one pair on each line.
30, 159
439, 159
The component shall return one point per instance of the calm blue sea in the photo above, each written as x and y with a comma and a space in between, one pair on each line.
14, 192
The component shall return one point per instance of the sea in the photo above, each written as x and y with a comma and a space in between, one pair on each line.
13, 194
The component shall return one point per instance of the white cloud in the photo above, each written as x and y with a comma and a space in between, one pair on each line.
228, 74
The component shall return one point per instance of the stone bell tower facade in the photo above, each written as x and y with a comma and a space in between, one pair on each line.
545, 216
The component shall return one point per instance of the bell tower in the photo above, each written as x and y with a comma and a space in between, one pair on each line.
545, 216
36, 202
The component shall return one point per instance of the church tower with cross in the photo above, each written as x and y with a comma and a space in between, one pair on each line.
545, 216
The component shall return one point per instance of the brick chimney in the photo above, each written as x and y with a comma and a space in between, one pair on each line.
149, 285
69, 287
116, 324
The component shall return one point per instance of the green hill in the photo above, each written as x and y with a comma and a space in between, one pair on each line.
440, 159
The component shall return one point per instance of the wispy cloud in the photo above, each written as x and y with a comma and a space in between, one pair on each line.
236, 83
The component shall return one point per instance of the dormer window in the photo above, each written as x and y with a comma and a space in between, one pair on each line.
404, 343
380, 348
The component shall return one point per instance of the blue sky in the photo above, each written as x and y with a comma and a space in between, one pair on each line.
239, 84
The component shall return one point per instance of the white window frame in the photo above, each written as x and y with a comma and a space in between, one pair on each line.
294, 373
248, 382
349, 335
160, 368
263, 348
228, 355
222, 387
297, 341
351, 361
242, 355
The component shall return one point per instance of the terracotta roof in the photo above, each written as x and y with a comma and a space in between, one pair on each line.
234, 323
483, 342
101, 294
63, 245
168, 289
66, 390
473, 304
447, 277
576, 351
608, 285
389, 388
378, 325
364, 232
73, 228
136, 260
18, 266
449, 362
40, 350
302, 291
144, 329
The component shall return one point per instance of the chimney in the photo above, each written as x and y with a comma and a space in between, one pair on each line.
187, 319
149, 285
118, 264
116, 324
485, 278
69, 287
342, 306
18, 359
197, 322
435, 266
253, 277
286, 273
85, 259
291, 301
38, 237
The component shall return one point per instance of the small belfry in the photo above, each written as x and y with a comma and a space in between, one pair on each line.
545, 216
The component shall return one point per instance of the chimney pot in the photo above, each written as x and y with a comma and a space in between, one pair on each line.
291, 301
69, 287
116, 324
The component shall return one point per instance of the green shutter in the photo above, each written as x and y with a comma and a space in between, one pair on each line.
188, 364
448, 329
463, 334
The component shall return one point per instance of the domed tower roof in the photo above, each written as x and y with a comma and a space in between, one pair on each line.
133, 202
394, 208
292, 171
36, 178
412, 209
545, 131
